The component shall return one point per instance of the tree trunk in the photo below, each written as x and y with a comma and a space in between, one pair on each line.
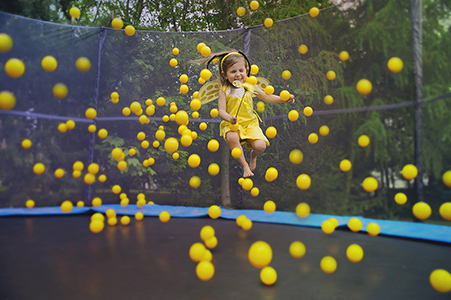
225, 187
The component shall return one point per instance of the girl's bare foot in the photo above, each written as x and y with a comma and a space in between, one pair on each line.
247, 172
253, 162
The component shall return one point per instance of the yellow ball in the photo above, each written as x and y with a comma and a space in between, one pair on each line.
313, 138
116, 189
207, 256
164, 216
213, 145
240, 181
409, 172
328, 264
60, 90
446, 178
303, 181
125, 220
355, 224
66, 206
117, 23
255, 191
327, 227
422, 210
143, 119
302, 210
303, 49
126, 111
260, 254
440, 280
254, 5
395, 64
49, 63
145, 144
195, 104
247, 184
205, 270
59, 173
296, 156
83, 64
156, 144
96, 202
98, 217
254, 69
308, 111
130, 30
89, 178
70, 124
286, 74
175, 51
345, 165
14, 68
103, 133
214, 211
96, 226
268, 22
293, 115
78, 165
241, 11
269, 90
314, 12
74, 12
139, 215
252, 80
324, 130
354, 253
197, 251
271, 132
211, 243
112, 221
445, 211
207, 232
26, 144
344, 56
171, 145
194, 182
91, 113
7, 100
247, 224
269, 207
38, 168
213, 169
122, 165
150, 110
160, 135
184, 89
110, 213
240, 220
236, 152
173, 62
203, 126
205, 51
194, 160
297, 249
285, 95
328, 100
124, 202
205, 74
80, 204
186, 140
373, 229
200, 46
6, 42
268, 275
331, 75
370, 184
181, 117
364, 86
214, 113
400, 198
363, 141
29, 204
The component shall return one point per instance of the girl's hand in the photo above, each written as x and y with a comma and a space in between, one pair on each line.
233, 120
291, 100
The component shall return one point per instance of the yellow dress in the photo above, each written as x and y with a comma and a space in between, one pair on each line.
248, 126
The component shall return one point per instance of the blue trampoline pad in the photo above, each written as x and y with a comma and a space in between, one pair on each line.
41, 211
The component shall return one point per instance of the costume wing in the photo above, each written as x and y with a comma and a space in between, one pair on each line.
262, 82
209, 92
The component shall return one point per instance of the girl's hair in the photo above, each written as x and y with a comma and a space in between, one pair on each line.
225, 60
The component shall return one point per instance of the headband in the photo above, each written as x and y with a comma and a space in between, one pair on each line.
223, 57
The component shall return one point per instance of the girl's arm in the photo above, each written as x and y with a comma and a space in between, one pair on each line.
222, 106
271, 98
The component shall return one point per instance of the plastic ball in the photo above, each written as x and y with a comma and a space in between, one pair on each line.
70, 124
355, 224
205, 74
207, 232
345, 165
213, 145
91, 113
89, 178
327, 227
184, 89
173, 62
62, 128
286, 74
98, 216
296, 156
440, 280
164, 216
354, 253
175, 51
344, 56
331, 75
14, 68
66, 206
260, 254
205, 270
26, 144
83, 64
112, 221
74, 12
268, 22
122, 165
240, 220
370, 184
93, 168
129, 30
254, 5
194, 160
409, 172
80, 204
6, 42
268, 275
207, 256
252, 80
364, 86
328, 100
269, 207
308, 111
96, 226
117, 23
186, 140
7, 100
247, 184
373, 229
313, 138
446, 178
303, 181
334, 222
324, 130
206, 51
214, 113
78, 165
195, 104
59, 173
38, 168
400, 198
271, 132
197, 251
247, 224
200, 46
445, 211
110, 213
116, 189
145, 144
60, 90
171, 145
143, 119
395, 64
302, 210
126, 111
125, 220
181, 117
194, 182
139, 216
285, 95
254, 69
297, 249
328, 264
255, 191
96, 202
241, 11
213, 169
203, 126
293, 115
302, 49
422, 210
214, 211
363, 141
29, 203
314, 12
124, 202
211, 243
269, 90
76, 174
49, 63
236, 152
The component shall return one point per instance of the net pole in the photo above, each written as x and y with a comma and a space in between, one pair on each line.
417, 44
92, 139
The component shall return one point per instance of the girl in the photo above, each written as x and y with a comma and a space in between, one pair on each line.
240, 124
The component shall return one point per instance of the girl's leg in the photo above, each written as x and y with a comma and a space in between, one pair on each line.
259, 146
234, 142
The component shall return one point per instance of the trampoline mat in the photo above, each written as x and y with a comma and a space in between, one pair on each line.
57, 257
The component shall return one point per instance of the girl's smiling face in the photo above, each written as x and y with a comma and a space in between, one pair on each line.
237, 71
